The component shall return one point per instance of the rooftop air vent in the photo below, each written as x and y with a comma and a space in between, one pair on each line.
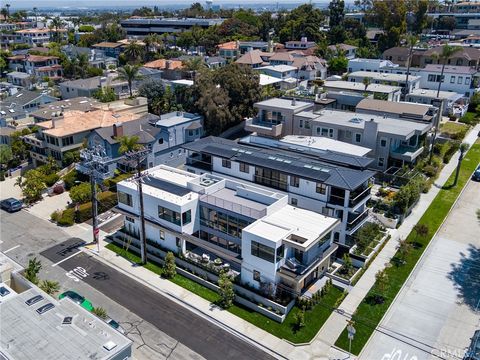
207, 182
109, 346
67, 320
34, 300
43, 309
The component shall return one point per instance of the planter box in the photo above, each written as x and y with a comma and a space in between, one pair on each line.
386, 221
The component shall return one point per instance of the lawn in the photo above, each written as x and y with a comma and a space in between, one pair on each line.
314, 318
369, 314
454, 130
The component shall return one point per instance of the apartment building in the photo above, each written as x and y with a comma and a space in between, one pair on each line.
67, 130
38, 36
111, 49
326, 182
453, 103
251, 228
137, 26
394, 141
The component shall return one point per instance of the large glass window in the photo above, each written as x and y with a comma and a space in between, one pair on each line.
321, 188
187, 217
169, 215
294, 181
226, 163
223, 222
271, 178
263, 252
244, 167
125, 198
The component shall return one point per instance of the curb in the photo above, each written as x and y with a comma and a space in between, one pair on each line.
188, 306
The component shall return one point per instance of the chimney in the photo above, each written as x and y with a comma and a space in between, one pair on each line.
57, 121
294, 102
117, 130
303, 39
167, 64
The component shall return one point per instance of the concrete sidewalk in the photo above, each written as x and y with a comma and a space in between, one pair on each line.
336, 323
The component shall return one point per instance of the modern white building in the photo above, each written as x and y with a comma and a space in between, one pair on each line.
327, 182
379, 91
252, 228
454, 103
387, 79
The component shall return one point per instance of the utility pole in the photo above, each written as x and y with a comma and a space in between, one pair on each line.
136, 158
95, 163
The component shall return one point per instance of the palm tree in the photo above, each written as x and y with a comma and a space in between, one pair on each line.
100, 312
4, 13
133, 51
152, 42
7, 6
128, 143
463, 149
57, 24
82, 64
129, 73
193, 65
366, 81
412, 40
50, 287
447, 52
35, 9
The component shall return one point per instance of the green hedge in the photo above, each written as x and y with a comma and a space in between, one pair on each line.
67, 218
106, 201
112, 182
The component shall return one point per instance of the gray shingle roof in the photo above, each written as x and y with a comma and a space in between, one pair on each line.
141, 127
306, 164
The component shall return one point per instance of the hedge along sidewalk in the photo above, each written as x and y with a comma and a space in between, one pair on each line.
369, 314
314, 318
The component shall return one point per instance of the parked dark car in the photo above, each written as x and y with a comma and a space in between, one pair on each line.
11, 205
476, 174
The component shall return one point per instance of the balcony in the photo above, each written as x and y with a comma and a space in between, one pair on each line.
263, 128
357, 196
406, 153
32, 140
356, 220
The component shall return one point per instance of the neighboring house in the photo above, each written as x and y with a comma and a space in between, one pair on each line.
138, 26
397, 55
394, 141
459, 79
473, 41
252, 229
5, 134
54, 109
379, 91
162, 135
467, 56
400, 110
326, 182
229, 50
111, 49
254, 59
215, 62
303, 45
96, 58
37, 66
453, 103
20, 105
171, 69
68, 130
387, 79
38, 36
348, 50
66, 329
87, 87
279, 71
369, 65
19, 79
310, 67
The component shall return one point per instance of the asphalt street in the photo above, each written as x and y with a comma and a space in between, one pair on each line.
197, 333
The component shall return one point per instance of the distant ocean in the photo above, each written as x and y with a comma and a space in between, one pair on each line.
70, 5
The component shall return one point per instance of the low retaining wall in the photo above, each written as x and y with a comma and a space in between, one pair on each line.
386, 221
205, 278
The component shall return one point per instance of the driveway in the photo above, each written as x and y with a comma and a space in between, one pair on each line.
437, 311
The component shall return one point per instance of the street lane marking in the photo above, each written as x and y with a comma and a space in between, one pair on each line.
12, 248
61, 261
77, 274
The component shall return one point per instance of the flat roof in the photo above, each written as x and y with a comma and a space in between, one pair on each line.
176, 118
383, 76
394, 107
231, 195
324, 143
27, 335
427, 93
401, 127
268, 80
357, 86
279, 68
285, 104
298, 226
